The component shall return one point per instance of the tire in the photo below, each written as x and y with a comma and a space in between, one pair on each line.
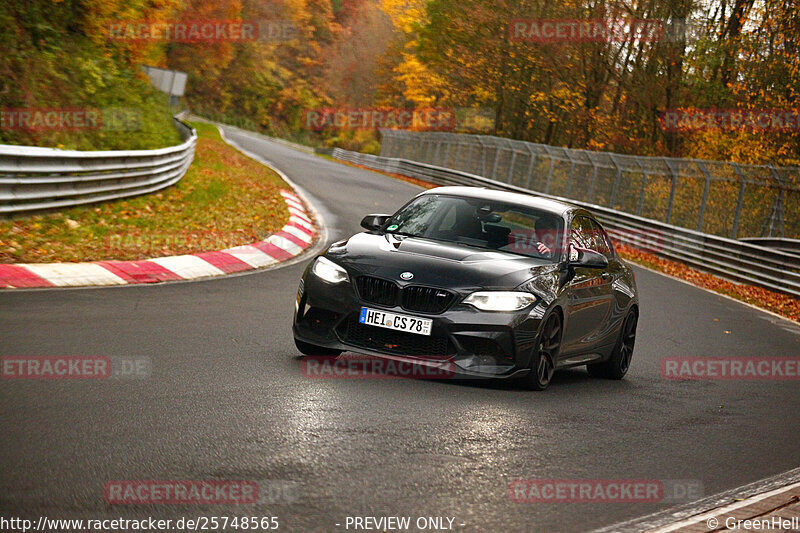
620, 361
548, 346
311, 349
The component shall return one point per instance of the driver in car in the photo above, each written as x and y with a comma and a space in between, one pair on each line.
546, 229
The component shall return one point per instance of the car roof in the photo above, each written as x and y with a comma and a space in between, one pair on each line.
528, 200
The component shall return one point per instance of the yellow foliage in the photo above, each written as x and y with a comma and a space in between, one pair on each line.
420, 85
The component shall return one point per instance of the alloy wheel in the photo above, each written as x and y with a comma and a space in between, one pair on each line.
549, 345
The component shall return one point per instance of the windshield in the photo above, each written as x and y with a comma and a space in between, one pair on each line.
482, 224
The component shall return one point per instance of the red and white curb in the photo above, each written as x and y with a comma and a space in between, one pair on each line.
289, 242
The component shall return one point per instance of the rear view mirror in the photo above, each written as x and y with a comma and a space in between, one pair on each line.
374, 222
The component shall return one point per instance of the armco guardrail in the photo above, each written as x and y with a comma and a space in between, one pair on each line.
33, 178
729, 258
716, 197
791, 246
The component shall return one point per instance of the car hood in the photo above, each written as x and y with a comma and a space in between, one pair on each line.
435, 263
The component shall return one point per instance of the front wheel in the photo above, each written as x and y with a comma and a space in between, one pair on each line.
311, 349
620, 361
548, 346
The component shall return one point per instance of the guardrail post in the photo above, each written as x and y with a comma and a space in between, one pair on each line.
739, 201
640, 204
706, 186
439, 154
387, 143
615, 188
672, 188
497, 151
549, 173
641, 195
569, 178
530, 166
483, 156
458, 153
773, 226
394, 145
594, 179
405, 146
431, 151
511, 166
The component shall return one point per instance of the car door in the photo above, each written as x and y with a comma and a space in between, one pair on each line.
589, 295
608, 331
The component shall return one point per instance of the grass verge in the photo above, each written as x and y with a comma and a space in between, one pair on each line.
225, 199
780, 304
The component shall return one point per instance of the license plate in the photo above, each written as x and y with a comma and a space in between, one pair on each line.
382, 319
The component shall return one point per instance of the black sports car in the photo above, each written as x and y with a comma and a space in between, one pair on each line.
494, 284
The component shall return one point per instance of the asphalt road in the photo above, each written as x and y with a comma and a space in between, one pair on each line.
226, 400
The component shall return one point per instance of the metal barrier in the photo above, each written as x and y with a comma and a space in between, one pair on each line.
728, 258
791, 246
33, 178
715, 197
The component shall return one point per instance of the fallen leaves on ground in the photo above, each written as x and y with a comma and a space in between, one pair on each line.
782, 304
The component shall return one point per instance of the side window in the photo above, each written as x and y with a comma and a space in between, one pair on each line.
600, 240
448, 221
580, 232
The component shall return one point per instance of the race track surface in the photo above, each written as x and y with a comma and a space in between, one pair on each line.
226, 400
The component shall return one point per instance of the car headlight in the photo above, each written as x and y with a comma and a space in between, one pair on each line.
329, 271
500, 300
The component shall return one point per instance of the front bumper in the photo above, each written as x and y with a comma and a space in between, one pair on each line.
473, 343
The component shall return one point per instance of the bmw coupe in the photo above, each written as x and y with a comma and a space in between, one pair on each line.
493, 284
